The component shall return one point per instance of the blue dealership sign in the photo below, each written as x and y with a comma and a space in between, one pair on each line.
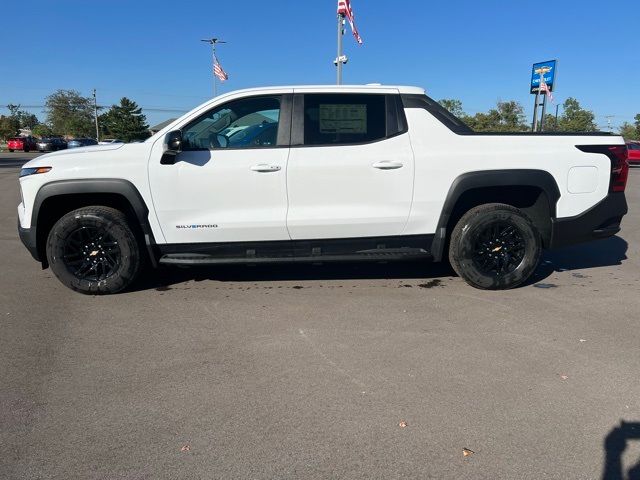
548, 70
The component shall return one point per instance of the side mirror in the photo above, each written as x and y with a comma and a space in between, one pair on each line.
173, 141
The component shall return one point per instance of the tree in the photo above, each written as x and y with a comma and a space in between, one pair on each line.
453, 105
41, 130
69, 113
8, 126
23, 118
550, 123
576, 119
125, 121
506, 117
628, 131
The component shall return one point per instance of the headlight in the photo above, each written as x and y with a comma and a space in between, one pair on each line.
33, 171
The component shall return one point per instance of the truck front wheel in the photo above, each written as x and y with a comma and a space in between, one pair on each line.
92, 250
495, 246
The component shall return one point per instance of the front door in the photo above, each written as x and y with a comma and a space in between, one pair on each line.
351, 172
228, 183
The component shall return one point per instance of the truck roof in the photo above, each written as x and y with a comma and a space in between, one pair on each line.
373, 87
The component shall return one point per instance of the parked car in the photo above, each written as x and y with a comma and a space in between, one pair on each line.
21, 143
634, 153
51, 144
81, 142
109, 141
367, 173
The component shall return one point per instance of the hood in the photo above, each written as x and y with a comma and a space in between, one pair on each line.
42, 160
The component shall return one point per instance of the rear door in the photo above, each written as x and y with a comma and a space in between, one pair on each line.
350, 170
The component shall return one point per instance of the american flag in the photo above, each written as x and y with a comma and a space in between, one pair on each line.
344, 8
218, 70
545, 88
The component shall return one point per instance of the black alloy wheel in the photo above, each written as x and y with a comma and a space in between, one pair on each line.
499, 248
93, 250
495, 246
91, 253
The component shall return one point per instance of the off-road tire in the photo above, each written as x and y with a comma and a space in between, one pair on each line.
495, 247
97, 239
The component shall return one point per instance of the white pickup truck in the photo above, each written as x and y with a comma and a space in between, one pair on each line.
318, 174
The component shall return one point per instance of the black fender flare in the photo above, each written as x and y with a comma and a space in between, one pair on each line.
102, 185
491, 178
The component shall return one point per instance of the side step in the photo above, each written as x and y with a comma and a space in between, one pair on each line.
373, 255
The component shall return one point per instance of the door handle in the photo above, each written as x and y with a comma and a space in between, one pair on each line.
263, 167
387, 165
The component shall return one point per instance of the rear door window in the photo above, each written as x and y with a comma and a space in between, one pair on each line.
338, 119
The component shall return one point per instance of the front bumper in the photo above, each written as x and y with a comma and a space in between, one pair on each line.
600, 221
28, 238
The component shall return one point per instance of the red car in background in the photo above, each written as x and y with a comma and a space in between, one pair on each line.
22, 143
634, 153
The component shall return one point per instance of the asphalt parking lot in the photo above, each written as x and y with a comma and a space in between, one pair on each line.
323, 371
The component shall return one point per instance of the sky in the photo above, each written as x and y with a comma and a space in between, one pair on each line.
478, 52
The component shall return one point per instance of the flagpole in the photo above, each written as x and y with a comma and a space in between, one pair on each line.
339, 57
213, 66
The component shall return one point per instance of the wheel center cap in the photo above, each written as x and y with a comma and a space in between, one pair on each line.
497, 249
94, 253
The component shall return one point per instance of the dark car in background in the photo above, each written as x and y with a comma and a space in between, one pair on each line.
51, 144
81, 142
634, 153
21, 143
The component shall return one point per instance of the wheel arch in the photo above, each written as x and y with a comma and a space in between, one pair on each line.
534, 191
58, 198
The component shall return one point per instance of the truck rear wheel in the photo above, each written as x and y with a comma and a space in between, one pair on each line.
92, 250
495, 246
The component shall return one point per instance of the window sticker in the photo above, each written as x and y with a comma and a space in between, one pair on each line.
343, 118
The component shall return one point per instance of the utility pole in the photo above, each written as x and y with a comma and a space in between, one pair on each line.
95, 114
213, 42
609, 117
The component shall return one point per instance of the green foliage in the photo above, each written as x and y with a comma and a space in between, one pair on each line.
629, 131
506, 117
41, 130
550, 124
125, 121
8, 126
453, 105
69, 113
23, 118
576, 119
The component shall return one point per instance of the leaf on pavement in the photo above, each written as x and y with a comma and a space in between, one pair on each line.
402, 424
185, 448
466, 452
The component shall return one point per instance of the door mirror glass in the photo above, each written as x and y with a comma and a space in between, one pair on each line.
174, 141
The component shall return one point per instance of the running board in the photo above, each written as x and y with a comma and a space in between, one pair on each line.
372, 255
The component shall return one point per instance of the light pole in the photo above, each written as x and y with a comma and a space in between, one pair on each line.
213, 42
95, 114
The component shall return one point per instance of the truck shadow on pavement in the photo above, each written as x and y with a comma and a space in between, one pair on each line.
615, 443
611, 251
601, 253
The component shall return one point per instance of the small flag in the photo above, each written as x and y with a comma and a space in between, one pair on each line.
344, 8
218, 71
545, 88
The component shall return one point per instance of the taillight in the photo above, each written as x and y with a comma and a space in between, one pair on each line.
619, 168
619, 156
